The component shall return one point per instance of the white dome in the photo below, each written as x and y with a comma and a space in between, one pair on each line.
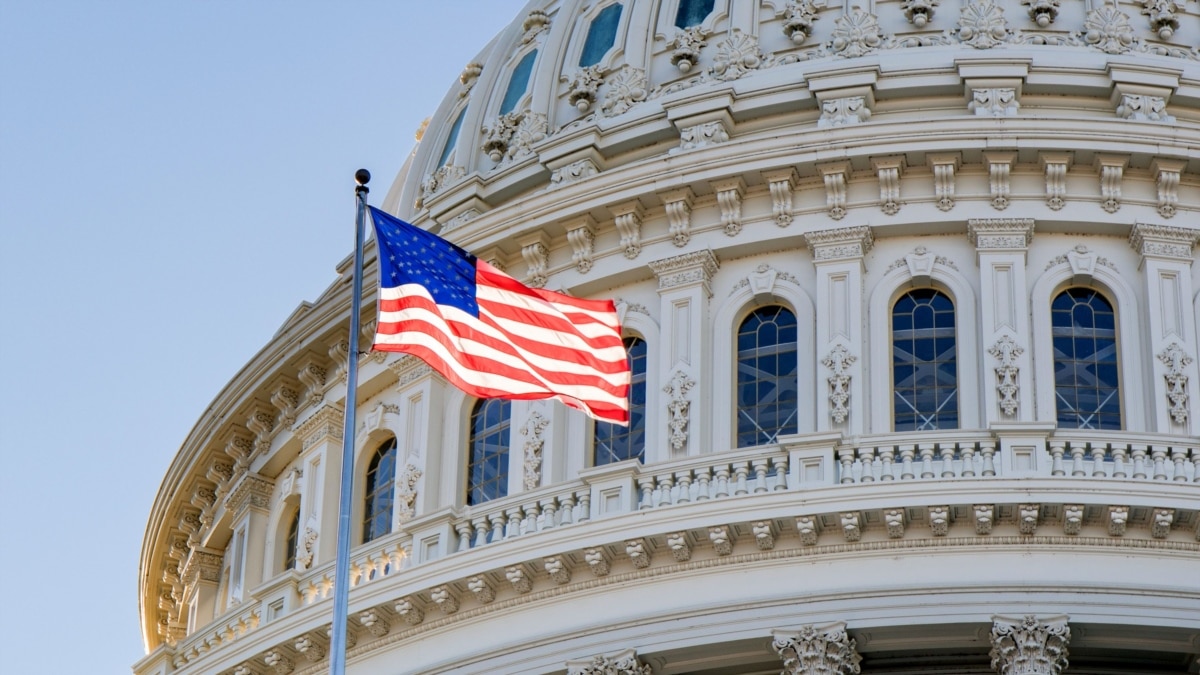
912, 288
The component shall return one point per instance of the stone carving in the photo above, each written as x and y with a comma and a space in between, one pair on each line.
440, 179
721, 537
1028, 646
582, 240
1168, 187
409, 612
444, 598
856, 33
625, 663
537, 22
893, 520
584, 87
835, 188
679, 214
994, 102
762, 281
1118, 518
851, 525
1160, 525
781, 187
1000, 233
532, 431
374, 622
939, 520
812, 649
1082, 260
1072, 518
312, 376
537, 260
943, 181
1027, 517
840, 243
1163, 241
1042, 12
737, 55
729, 199
703, 135
1161, 14
597, 561
638, 552
681, 550
919, 12
798, 19
1111, 173
460, 220
305, 559
311, 649
981, 24
839, 360
687, 44
406, 493
1006, 351
984, 518
557, 569
626, 88
513, 135
999, 175
573, 173
481, 589
1143, 108
469, 76
678, 406
1107, 28
628, 221
837, 112
808, 529
888, 172
685, 269
1056, 180
764, 537
1176, 361
278, 662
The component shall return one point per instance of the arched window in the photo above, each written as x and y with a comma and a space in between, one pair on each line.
692, 12
601, 35
924, 362
1086, 390
766, 376
615, 443
452, 139
518, 83
291, 545
377, 504
487, 472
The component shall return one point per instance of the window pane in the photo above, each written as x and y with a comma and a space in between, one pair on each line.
518, 83
1086, 388
381, 476
924, 362
692, 12
614, 443
600, 36
453, 139
767, 384
487, 471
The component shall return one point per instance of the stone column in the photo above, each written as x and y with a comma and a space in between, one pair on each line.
838, 257
1001, 245
1029, 646
321, 457
685, 354
817, 650
623, 663
249, 501
420, 434
1166, 261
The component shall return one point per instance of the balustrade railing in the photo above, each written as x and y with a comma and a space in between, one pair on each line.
543, 510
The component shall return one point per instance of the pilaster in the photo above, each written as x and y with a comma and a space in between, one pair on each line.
1001, 245
1167, 255
320, 455
685, 362
838, 256
421, 400
250, 502
201, 577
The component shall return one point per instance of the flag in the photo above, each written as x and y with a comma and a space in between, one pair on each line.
488, 334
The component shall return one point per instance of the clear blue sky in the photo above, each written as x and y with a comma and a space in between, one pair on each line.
175, 177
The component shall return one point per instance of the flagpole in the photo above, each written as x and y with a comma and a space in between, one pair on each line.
341, 583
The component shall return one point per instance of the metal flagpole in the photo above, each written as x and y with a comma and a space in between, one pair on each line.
341, 584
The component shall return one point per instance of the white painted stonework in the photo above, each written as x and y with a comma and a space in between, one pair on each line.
821, 155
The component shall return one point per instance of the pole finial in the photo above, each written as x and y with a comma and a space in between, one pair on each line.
362, 177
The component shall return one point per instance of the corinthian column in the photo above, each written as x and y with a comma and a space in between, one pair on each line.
1029, 646
814, 650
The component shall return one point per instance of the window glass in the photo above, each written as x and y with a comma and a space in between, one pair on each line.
766, 376
377, 507
615, 443
518, 83
1086, 388
293, 539
601, 35
692, 12
452, 140
924, 362
487, 472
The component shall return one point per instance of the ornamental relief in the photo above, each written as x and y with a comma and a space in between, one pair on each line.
982, 25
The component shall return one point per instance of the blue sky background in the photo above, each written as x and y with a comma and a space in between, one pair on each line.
175, 177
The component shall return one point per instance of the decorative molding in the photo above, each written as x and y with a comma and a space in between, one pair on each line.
764, 535
1166, 175
310, 648
408, 369
809, 529
1164, 241
841, 243
442, 178
1027, 517
573, 173
943, 167
781, 185
721, 537
534, 443
703, 135
597, 560
627, 218
981, 24
678, 205
697, 267
678, 408
201, 565
537, 22
406, 493
798, 19
251, 491
839, 361
581, 235
1000, 233
729, 200
445, 599
985, 517
1007, 351
1042, 12
308, 548
469, 76
919, 12
1083, 263
835, 175
409, 612
889, 170
460, 220
537, 260
1000, 177
681, 548
817, 649
737, 55
1072, 519
1029, 646
1161, 520
622, 663
639, 553
481, 588
1143, 108
513, 135
838, 112
584, 86
893, 520
1118, 520
1056, 178
1161, 14
374, 622
278, 662
312, 375
557, 569
626, 88
852, 523
762, 281
1107, 28
686, 46
1176, 362
856, 33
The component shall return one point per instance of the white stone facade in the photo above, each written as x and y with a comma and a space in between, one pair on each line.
822, 157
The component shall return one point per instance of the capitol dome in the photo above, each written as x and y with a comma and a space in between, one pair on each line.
910, 295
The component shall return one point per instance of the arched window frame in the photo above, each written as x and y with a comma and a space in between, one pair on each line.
726, 321
579, 34
479, 406
939, 419
1095, 299
645, 382
665, 22
379, 448
879, 336
1136, 389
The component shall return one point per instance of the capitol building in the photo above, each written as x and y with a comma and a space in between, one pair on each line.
911, 300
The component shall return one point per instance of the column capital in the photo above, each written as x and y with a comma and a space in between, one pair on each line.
817, 649
843, 243
1029, 645
689, 269
1163, 241
1000, 234
202, 564
409, 369
251, 491
623, 663
324, 424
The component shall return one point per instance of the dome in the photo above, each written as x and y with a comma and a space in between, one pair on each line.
910, 296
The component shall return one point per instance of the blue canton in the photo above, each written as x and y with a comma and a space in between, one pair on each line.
410, 255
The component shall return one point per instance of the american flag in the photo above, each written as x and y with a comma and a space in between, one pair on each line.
488, 334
